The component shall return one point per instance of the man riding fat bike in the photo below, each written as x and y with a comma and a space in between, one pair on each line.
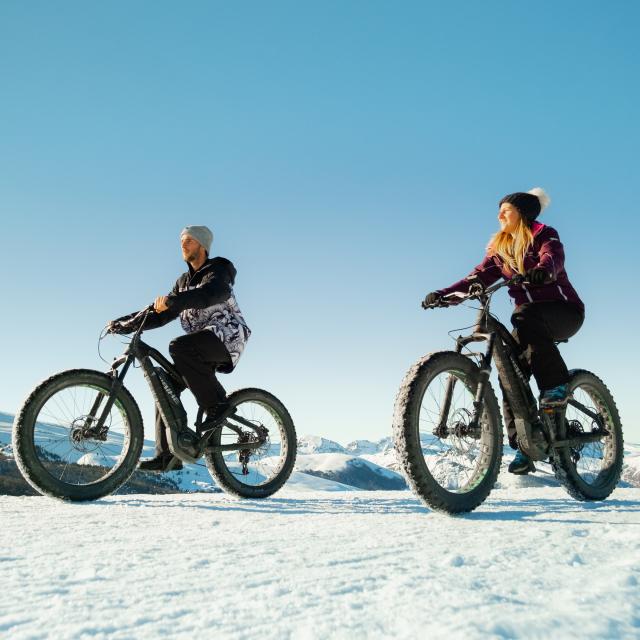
548, 309
216, 332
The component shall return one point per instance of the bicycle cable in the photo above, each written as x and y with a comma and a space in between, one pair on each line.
103, 334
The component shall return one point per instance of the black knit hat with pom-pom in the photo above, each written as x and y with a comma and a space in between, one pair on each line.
530, 203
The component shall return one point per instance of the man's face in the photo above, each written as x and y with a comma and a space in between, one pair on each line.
191, 249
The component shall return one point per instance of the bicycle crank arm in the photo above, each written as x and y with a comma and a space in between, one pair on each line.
532, 439
237, 446
578, 441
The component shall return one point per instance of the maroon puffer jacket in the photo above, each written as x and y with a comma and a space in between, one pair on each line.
546, 252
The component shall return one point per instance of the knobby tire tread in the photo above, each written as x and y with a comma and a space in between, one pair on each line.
218, 467
563, 466
29, 465
409, 452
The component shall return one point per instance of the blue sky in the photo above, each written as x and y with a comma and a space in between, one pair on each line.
348, 156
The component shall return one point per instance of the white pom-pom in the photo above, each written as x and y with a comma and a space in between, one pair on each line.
541, 194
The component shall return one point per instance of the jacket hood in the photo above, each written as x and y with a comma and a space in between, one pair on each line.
223, 263
217, 263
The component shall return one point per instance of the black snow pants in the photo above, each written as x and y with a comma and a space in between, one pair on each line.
196, 355
537, 327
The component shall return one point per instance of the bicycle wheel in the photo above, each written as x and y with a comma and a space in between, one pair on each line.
450, 466
590, 471
254, 473
55, 448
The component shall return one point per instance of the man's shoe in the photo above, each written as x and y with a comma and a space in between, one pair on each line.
555, 397
521, 465
165, 461
213, 415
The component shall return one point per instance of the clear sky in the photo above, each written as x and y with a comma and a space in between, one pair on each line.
348, 156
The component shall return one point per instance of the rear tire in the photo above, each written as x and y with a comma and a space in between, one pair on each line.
592, 471
435, 468
270, 466
55, 464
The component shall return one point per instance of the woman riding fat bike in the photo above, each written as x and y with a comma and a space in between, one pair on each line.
548, 309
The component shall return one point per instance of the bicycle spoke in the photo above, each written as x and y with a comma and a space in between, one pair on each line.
452, 460
70, 455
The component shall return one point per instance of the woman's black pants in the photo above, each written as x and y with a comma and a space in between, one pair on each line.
537, 328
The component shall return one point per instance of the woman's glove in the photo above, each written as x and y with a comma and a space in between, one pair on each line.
432, 299
538, 276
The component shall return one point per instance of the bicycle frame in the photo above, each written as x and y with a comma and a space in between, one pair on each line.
502, 347
538, 431
146, 356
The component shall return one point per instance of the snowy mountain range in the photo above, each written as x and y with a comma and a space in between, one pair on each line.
322, 465
317, 444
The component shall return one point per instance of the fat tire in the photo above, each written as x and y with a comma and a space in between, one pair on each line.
218, 467
561, 461
24, 450
407, 440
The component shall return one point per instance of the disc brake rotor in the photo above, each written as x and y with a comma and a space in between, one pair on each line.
86, 438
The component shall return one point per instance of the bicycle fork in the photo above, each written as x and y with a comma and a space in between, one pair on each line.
472, 429
94, 423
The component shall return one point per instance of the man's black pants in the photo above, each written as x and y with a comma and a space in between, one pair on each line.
537, 327
197, 356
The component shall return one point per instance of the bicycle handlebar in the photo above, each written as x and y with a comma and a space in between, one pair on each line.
139, 317
476, 290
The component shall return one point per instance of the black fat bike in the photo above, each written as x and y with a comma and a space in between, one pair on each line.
448, 431
79, 434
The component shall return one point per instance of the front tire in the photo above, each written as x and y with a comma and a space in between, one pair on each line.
266, 469
591, 471
53, 454
455, 473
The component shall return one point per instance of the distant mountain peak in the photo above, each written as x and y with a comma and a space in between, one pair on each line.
318, 444
368, 447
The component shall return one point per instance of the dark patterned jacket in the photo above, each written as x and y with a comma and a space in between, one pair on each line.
204, 300
546, 252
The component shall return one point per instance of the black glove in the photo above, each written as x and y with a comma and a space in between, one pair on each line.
538, 276
120, 327
432, 299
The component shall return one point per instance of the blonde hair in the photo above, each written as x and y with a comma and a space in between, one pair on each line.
511, 249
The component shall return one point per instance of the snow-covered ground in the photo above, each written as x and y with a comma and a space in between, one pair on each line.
321, 559
530, 563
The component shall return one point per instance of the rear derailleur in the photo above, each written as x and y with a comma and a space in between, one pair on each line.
244, 455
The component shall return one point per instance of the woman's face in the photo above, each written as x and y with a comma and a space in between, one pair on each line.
508, 217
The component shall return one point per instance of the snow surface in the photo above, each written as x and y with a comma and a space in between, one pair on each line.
322, 560
530, 563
